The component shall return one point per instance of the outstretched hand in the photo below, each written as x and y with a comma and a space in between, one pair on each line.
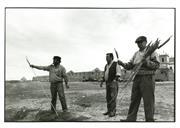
32, 66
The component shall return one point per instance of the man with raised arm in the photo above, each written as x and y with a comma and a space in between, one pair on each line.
56, 75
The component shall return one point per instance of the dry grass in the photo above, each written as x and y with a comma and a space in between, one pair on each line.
86, 101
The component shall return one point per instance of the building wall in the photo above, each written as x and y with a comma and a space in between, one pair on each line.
85, 76
41, 78
161, 75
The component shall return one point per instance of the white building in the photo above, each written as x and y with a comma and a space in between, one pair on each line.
166, 62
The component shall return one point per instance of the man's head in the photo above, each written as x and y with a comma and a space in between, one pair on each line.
141, 41
56, 60
109, 57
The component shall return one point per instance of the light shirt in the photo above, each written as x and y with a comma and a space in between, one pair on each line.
56, 74
138, 56
118, 70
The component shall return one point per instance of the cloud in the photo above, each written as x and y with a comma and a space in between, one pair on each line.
81, 37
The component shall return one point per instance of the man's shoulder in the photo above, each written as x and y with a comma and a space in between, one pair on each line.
154, 53
61, 66
136, 52
50, 66
114, 62
155, 56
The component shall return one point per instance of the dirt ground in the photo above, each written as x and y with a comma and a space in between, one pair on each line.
30, 101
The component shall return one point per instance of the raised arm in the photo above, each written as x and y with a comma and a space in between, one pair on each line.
45, 68
130, 65
127, 66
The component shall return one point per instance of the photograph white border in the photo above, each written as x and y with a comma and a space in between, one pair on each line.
81, 3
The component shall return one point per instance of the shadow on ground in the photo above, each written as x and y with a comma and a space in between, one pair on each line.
43, 116
62, 116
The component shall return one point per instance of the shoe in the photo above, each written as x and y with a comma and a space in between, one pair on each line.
125, 120
106, 113
111, 114
150, 120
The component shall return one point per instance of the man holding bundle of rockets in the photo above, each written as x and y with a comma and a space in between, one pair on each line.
143, 64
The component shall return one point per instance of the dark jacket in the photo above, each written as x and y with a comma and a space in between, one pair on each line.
112, 72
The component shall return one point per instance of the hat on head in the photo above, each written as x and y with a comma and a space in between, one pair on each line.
141, 39
57, 57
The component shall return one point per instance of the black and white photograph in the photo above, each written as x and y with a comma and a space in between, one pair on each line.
89, 64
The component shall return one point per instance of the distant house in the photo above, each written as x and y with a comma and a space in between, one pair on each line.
166, 70
94, 75
171, 63
164, 74
166, 61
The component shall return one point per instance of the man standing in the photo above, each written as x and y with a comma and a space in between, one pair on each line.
56, 75
112, 72
143, 83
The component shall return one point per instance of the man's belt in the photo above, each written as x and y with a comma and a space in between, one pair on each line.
145, 72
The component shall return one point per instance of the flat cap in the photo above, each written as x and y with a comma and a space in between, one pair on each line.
57, 57
140, 39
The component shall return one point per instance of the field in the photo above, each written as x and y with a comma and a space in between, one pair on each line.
30, 101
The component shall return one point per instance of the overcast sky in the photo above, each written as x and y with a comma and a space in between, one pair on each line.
82, 37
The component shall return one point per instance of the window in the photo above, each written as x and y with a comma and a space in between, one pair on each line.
162, 59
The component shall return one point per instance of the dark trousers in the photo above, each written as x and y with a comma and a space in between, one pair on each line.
143, 86
58, 88
111, 96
